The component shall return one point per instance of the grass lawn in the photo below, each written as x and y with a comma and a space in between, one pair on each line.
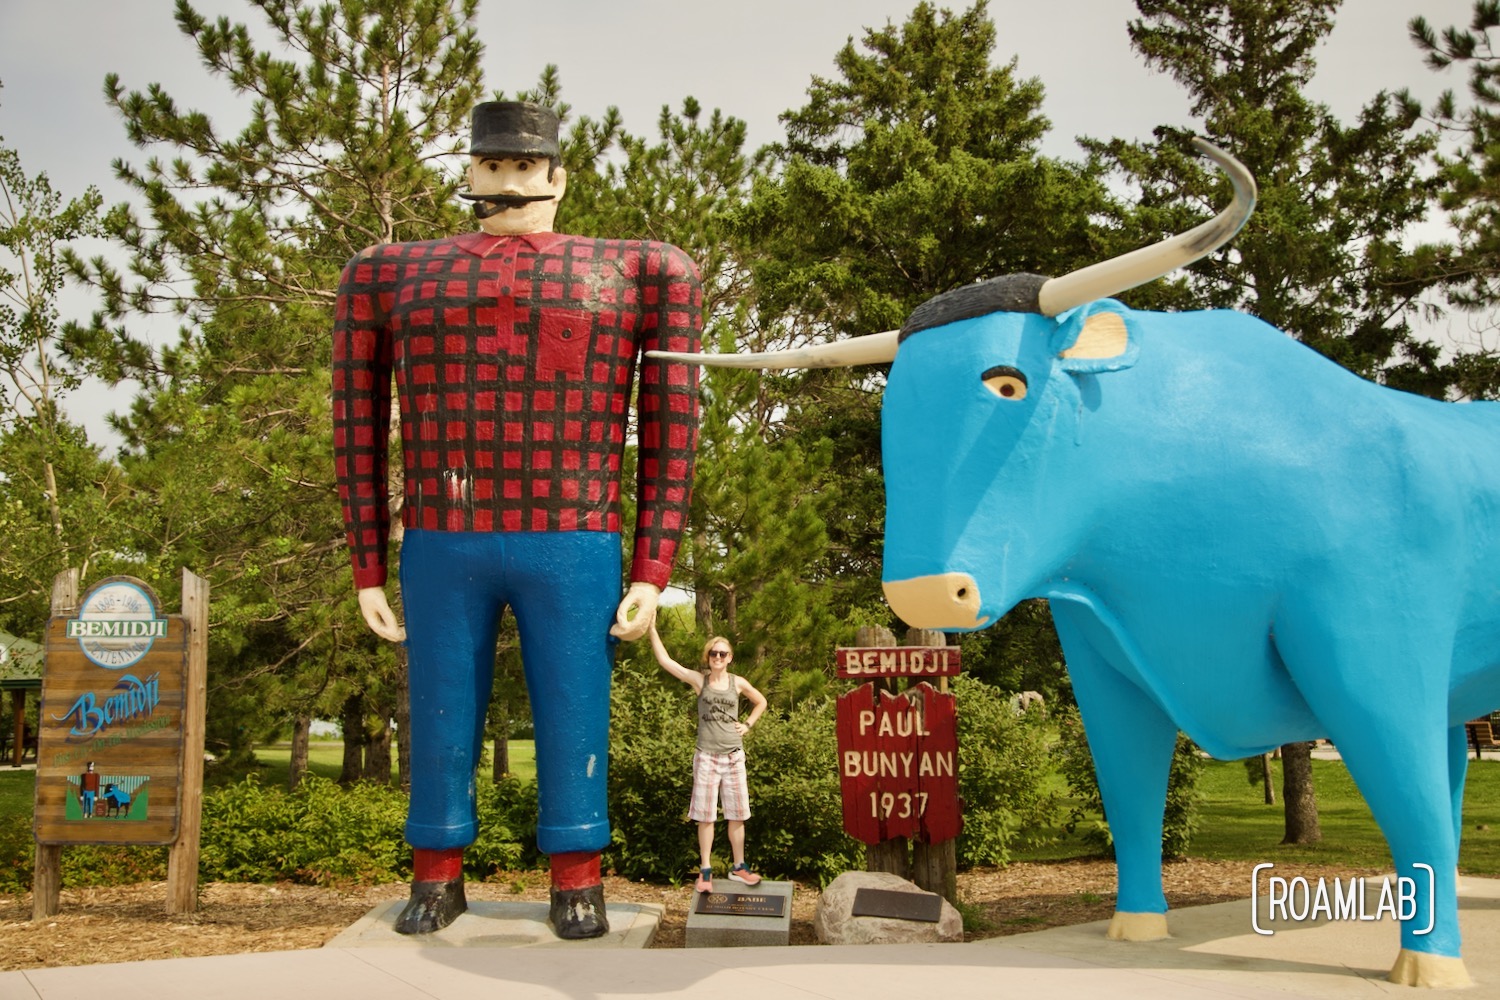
1234, 823
17, 791
325, 758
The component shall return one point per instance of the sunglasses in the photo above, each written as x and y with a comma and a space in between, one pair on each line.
718, 654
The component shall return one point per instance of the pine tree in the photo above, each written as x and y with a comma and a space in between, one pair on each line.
1471, 191
1322, 257
915, 170
355, 112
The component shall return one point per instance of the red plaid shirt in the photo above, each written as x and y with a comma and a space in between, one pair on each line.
514, 359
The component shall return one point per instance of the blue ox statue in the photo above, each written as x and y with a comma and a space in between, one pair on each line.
1238, 539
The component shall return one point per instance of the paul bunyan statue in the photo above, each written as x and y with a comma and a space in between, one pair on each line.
515, 351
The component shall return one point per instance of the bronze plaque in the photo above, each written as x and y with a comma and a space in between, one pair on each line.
741, 904
109, 752
899, 905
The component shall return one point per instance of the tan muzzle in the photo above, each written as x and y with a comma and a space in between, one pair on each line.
942, 600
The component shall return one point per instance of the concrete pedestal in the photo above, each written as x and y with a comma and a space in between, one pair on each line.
729, 931
489, 924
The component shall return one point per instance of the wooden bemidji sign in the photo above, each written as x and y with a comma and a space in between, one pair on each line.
120, 749
110, 746
898, 763
898, 661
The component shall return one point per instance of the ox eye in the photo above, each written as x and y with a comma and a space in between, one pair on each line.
1005, 382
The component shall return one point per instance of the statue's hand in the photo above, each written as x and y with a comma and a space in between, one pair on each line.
378, 614
640, 598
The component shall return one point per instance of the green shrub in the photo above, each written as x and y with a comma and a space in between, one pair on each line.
82, 864
1180, 816
651, 776
1003, 770
796, 826
17, 853
797, 829
319, 833
507, 828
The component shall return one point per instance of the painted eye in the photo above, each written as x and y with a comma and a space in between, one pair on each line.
1005, 382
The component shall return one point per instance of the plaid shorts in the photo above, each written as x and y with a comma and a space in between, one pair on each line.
721, 776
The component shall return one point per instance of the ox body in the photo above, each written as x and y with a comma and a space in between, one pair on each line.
1238, 538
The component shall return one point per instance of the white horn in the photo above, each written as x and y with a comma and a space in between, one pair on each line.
1113, 276
872, 349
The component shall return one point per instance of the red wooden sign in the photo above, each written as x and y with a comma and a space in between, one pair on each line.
898, 764
898, 661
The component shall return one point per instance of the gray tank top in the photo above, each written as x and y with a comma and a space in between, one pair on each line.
718, 711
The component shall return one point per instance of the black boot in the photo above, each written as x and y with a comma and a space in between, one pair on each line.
577, 914
433, 906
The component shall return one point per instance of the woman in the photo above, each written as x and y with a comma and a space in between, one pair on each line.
719, 762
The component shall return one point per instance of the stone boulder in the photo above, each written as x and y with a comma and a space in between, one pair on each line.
836, 924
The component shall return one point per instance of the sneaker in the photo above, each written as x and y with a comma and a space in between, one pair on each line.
705, 881
742, 873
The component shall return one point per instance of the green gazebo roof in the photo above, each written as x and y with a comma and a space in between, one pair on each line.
20, 663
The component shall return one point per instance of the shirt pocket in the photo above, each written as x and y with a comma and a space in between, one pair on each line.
563, 337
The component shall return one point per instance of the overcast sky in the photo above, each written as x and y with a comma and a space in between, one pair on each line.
751, 58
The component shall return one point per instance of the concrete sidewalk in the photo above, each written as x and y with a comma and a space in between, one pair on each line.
1213, 952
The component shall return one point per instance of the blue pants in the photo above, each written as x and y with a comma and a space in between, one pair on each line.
564, 588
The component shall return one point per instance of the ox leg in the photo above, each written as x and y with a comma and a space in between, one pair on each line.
1458, 771
1131, 740
1406, 782
1398, 749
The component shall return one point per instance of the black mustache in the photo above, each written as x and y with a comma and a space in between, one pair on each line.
505, 200
486, 205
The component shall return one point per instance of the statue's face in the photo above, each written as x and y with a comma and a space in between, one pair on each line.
525, 176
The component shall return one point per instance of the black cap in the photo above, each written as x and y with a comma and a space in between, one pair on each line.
514, 129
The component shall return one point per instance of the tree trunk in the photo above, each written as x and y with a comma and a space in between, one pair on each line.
301, 731
703, 598
1265, 770
378, 752
934, 867
1301, 803
353, 721
731, 609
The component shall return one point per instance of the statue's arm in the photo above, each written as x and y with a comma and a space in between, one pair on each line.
668, 439
361, 423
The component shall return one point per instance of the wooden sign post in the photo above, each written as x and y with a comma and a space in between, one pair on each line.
898, 758
120, 748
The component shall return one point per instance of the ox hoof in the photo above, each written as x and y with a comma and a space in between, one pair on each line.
1137, 927
1418, 968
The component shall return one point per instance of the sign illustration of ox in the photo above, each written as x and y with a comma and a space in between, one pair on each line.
1238, 538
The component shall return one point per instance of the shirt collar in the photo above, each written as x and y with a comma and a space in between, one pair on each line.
483, 244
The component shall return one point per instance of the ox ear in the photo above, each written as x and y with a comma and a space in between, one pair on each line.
1096, 337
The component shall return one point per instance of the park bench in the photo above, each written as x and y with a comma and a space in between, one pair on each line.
1481, 735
